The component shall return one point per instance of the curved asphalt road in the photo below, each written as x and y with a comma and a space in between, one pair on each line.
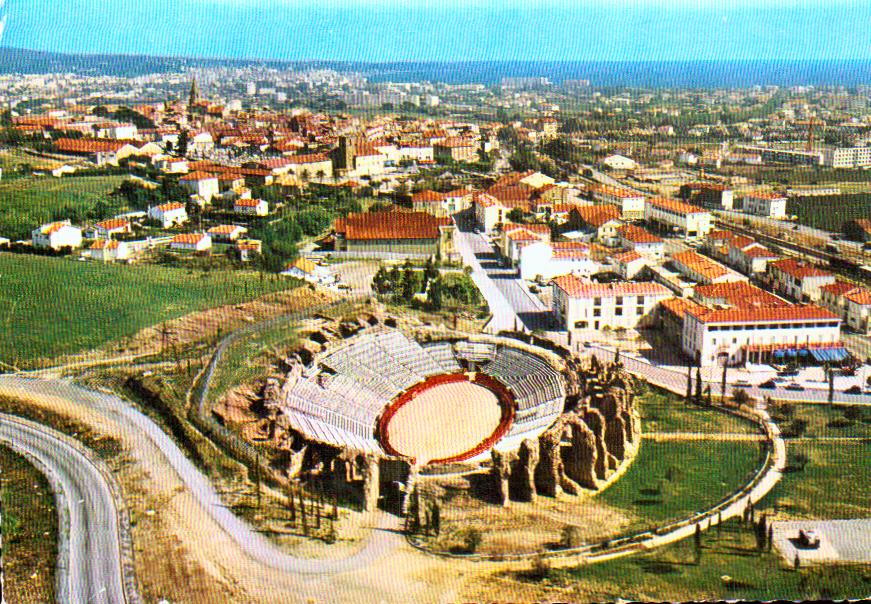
89, 571
384, 539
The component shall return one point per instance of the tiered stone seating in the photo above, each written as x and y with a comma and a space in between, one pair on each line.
443, 354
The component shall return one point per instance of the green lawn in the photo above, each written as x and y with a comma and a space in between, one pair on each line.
27, 202
826, 421
671, 480
29, 531
55, 306
671, 574
830, 212
662, 411
835, 482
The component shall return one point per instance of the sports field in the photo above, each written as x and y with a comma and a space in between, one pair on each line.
444, 421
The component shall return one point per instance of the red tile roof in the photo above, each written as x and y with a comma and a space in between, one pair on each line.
112, 224
197, 176
700, 264
247, 203
598, 215
636, 234
189, 238
764, 315
675, 205
173, 205
427, 196
390, 225
797, 269
87, 145
859, 296
739, 294
576, 287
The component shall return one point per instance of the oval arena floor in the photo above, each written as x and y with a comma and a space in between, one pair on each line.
446, 421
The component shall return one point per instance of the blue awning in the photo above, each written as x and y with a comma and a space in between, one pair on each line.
791, 352
830, 355
779, 353
803, 352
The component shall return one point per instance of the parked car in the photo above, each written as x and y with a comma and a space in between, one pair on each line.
788, 372
856, 389
742, 384
769, 385
794, 386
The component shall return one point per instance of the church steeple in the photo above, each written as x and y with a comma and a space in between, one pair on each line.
195, 94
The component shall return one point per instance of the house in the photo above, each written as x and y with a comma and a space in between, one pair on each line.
768, 205
515, 236
675, 216
107, 250
489, 212
399, 232
201, 184
168, 214
251, 207
98, 151
749, 257
442, 204
704, 270
629, 264
642, 241
797, 279
303, 268
57, 235
850, 302
248, 248
599, 222
171, 165
107, 228
630, 203
227, 232
545, 260
582, 307
191, 242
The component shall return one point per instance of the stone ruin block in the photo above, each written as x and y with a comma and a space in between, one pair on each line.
501, 472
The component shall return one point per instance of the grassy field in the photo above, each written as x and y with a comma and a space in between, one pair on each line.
833, 484
27, 202
29, 531
662, 411
55, 306
825, 421
670, 480
671, 574
830, 212
251, 357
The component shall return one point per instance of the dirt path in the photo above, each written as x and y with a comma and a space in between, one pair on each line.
698, 436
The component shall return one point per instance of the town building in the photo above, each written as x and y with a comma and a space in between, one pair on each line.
168, 214
191, 242
109, 250
798, 280
599, 223
307, 270
647, 244
57, 235
769, 205
629, 264
251, 207
674, 216
455, 150
580, 306
201, 184
630, 203
847, 157
545, 260
416, 233
106, 229
442, 204
248, 249
703, 270
850, 302
226, 232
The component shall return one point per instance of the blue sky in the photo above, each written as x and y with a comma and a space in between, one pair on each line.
447, 30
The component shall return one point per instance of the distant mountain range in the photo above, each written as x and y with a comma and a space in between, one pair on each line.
674, 74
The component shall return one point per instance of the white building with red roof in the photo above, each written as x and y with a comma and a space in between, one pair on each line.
753, 334
545, 260
105, 229
251, 207
580, 305
675, 216
850, 302
109, 250
227, 232
191, 242
204, 185
798, 279
644, 242
168, 214
57, 235
630, 203
769, 205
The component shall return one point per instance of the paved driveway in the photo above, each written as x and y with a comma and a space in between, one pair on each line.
840, 540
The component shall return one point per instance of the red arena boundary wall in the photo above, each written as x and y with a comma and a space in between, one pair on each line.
504, 396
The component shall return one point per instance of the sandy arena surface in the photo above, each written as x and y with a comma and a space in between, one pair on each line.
444, 421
